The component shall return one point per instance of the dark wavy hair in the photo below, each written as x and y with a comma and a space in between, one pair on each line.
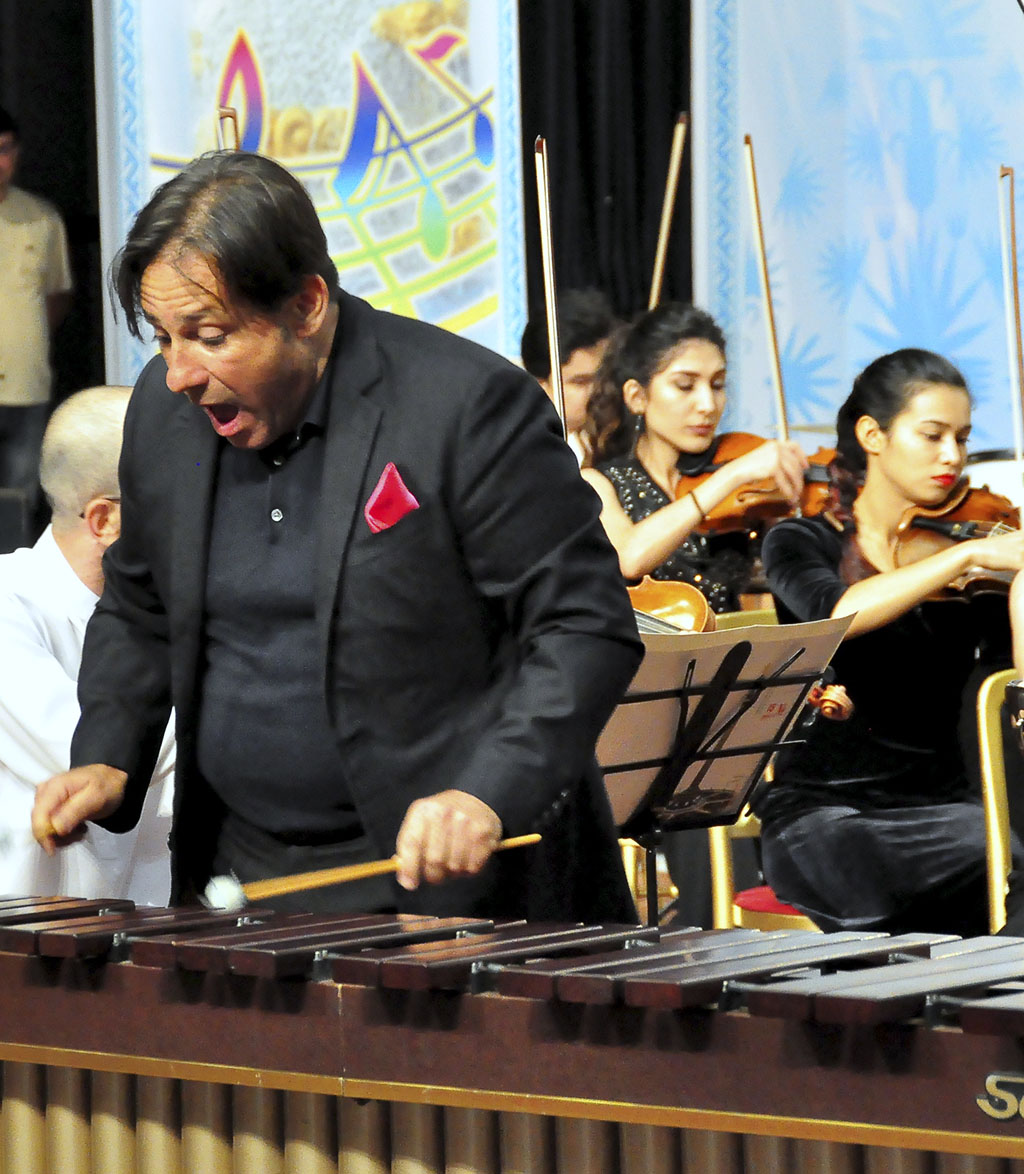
8, 126
585, 318
247, 216
639, 351
882, 390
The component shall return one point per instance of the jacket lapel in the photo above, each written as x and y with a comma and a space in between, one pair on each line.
352, 425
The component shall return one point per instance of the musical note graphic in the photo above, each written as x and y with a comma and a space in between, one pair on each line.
405, 183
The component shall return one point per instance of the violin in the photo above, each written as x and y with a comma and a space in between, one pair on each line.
678, 603
760, 501
967, 513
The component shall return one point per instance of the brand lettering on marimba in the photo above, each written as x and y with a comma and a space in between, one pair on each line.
1004, 1096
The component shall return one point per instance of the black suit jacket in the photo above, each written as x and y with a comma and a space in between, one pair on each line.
479, 643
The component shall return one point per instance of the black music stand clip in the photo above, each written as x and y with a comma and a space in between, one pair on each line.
711, 760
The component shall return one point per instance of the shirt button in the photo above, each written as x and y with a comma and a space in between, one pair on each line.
276, 515
278, 462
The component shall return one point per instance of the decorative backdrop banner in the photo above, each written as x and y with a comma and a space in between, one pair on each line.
402, 120
879, 128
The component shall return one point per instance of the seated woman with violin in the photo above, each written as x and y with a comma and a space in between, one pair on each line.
870, 823
663, 481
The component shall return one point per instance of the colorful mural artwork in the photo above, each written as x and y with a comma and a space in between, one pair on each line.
402, 123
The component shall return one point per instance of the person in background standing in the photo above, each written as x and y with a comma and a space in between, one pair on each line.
35, 294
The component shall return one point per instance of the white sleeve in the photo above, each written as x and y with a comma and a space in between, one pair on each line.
38, 701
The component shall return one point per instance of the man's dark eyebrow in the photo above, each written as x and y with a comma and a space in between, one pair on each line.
187, 320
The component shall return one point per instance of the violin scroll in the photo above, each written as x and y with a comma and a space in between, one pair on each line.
831, 701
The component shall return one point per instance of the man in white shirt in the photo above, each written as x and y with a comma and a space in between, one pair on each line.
35, 293
585, 325
47, 594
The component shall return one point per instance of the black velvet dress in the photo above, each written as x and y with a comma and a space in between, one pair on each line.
872, 822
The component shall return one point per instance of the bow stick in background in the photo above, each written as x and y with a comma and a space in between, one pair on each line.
227, 119
675, 160
540, 157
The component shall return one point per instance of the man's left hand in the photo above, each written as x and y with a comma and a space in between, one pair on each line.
445, 835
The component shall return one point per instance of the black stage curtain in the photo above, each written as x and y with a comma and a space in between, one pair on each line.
603, 81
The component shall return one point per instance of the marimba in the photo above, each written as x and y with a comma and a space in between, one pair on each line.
187, 1040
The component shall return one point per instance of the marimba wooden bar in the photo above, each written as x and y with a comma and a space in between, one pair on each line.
185, 1040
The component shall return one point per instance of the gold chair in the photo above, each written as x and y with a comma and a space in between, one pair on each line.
756, 908
633, 866
634, 862
993, 792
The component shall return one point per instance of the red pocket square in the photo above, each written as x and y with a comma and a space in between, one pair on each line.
389, 502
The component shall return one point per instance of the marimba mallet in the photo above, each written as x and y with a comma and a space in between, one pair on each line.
227, 892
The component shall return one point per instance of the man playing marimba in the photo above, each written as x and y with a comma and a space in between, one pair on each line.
359, 559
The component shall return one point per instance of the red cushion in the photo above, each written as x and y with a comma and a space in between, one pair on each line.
763, 900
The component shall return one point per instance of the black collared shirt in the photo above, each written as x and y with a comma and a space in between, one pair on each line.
264, 739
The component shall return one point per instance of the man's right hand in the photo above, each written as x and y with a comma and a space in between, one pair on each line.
65, 802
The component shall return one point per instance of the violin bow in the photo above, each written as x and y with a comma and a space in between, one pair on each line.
227, 117
675, 160
766, 289
1011, 303
540, 157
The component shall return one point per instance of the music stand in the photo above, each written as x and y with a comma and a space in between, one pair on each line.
667, 770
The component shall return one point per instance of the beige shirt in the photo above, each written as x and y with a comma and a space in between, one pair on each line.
33, 264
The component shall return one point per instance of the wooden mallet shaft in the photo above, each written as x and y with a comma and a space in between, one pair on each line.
301, 881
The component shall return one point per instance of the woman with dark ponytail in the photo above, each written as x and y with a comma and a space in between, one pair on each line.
667, 371
869, 824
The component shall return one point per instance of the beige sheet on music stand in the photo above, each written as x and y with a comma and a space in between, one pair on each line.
640, 731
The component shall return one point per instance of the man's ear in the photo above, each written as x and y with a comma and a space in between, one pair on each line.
310, 305
634, 394
870, 435
103, 517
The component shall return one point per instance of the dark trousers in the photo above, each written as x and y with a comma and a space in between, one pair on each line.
21, 436
896, 870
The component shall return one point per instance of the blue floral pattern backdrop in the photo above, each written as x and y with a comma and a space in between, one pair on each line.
879, 128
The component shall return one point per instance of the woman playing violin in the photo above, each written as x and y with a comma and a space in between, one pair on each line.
668, 369
869, 823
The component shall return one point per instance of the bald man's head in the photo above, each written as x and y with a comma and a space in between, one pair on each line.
81, 450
